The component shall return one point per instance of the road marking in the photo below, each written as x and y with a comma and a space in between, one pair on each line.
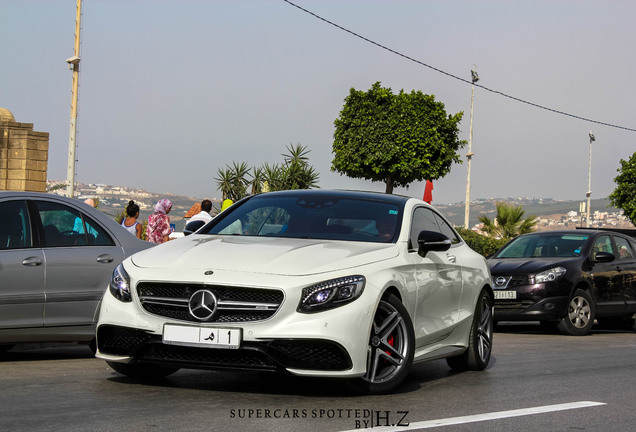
483, 417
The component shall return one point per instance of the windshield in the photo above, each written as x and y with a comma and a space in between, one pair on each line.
316, 217
544, 245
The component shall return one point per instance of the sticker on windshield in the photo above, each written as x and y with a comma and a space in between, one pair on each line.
393, 212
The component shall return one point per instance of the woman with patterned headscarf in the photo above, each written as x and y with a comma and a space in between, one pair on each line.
158, 229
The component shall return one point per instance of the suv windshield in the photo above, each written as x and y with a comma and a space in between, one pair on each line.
544, 245
319, 217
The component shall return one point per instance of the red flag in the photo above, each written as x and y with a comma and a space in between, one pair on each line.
428, 192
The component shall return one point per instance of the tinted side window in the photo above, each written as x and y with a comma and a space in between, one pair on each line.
624, 248
66, 226
15, 229
602, 244
423, 220
446, 229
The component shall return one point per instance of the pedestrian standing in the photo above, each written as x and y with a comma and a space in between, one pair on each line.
158, 229
130, 221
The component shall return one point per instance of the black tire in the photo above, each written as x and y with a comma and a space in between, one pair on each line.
390, 350
579, 317
143, 371
477, 355
5, 348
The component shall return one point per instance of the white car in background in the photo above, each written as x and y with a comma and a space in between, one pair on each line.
314, 283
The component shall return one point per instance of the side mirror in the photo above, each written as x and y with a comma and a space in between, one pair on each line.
604, 257
432, 241
192, 227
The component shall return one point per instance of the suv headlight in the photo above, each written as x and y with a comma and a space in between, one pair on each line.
120, 284
331, 294
549, 275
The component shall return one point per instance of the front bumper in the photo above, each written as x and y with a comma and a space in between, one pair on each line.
330, 343
534, 302
138, 346
552, 308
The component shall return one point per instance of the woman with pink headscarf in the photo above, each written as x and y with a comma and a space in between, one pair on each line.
158, 229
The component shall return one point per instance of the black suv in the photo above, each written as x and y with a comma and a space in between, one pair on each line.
569, 278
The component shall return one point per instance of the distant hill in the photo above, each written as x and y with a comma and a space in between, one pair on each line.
532, 206
113, 200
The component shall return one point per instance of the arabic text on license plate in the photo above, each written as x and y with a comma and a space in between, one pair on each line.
202, 336
505, 295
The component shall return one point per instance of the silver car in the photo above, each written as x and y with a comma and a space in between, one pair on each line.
56, 256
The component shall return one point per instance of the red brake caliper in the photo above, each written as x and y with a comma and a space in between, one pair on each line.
390, 341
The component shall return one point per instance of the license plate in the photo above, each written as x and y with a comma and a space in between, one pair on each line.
202, 336
505, 295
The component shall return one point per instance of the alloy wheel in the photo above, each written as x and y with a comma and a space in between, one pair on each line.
388, 345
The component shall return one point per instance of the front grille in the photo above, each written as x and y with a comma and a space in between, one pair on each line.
122, 340
507, 282
307, 354
207, 358
310, 354
512, 305
233, 304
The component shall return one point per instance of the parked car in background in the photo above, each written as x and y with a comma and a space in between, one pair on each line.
313, 283
56, 256
567, 278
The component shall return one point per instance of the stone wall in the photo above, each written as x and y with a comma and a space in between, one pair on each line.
24, 156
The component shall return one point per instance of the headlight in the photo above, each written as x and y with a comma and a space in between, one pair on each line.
120, 284
549, 275
331, 294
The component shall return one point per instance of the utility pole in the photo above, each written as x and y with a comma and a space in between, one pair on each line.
73, 64
589, 180
470, 153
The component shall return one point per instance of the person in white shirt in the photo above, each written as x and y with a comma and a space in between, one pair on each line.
204, 214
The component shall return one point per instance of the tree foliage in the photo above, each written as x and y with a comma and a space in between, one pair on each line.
508, 222
481, 244
624, 196
295, 172
395, 138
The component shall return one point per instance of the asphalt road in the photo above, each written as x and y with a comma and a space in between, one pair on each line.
536, 382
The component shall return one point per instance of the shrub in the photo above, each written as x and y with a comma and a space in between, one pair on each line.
483, 245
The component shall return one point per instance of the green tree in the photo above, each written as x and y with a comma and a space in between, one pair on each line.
395, 139
508, 222
233, 181
481, 244
295, 172
624, 196
258, 180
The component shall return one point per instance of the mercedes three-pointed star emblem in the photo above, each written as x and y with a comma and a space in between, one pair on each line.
202, 305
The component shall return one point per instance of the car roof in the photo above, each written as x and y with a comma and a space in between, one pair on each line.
336, 193
106, 220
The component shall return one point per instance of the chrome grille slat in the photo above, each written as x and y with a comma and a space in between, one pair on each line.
234, 304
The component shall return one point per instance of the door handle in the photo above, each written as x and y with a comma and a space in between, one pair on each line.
105, 259
451, 258
32, 261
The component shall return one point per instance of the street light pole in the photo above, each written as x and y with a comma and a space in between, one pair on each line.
470, 153
73, 64
589, 181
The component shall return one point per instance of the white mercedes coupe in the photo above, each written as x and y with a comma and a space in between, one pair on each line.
337, 284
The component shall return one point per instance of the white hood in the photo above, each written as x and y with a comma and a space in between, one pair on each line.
280, 256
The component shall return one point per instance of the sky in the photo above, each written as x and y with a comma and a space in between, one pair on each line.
173, 91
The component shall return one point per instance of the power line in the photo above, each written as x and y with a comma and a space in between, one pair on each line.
455, 76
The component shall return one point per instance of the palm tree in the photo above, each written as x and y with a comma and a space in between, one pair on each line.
232, 181
224, 181
508, 222
298, 174
258, 180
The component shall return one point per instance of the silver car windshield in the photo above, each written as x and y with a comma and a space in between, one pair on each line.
331, 218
